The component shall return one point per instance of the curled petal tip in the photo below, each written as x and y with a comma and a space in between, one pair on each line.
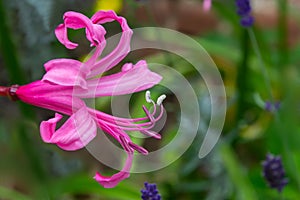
112, 181
61, 34
127, 67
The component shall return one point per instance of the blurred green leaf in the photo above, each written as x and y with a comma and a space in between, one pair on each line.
8, 193
244, 189
82, 184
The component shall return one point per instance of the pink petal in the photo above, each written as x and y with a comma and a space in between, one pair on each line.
53, 97
74, 134
109, 182
131, 80
97, 35
62, 36
74, 20
66, 72
96, 54
122, 48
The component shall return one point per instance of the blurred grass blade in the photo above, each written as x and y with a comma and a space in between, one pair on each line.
9, 55
8, 50
244, 188
283, 51
17, 75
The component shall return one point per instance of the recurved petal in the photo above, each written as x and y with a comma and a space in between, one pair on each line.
122, 48
109, 182
133, 79
66, 72
74, 134
75, 20
62, 36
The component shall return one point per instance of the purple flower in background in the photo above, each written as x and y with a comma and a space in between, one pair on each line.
150, 192
244, 10
274, 173
272, 107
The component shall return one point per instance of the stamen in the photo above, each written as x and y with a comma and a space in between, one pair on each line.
138, 148
125, 144
151, 134
136, 124
150, 116
106, 116
148, 97
161, 99
124, 125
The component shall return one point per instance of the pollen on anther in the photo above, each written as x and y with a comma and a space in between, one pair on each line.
160, 99
148, 96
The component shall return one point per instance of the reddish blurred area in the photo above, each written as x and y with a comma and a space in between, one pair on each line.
188, 16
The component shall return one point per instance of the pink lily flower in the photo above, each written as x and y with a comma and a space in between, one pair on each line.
206, 5
67, 82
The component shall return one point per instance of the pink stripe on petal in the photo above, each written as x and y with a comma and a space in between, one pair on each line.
66, 72
132, 80
74, 134
112, 59
50, 96
110, 182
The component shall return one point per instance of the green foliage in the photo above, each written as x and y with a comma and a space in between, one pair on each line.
30, 169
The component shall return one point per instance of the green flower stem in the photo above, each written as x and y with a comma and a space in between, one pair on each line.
282, 33
261, 63
242, 74
286, 149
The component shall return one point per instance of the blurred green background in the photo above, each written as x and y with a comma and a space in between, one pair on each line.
31, 169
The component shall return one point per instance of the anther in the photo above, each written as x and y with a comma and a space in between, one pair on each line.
160, 99
152, 134
125, 144
148, 96
138, 148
